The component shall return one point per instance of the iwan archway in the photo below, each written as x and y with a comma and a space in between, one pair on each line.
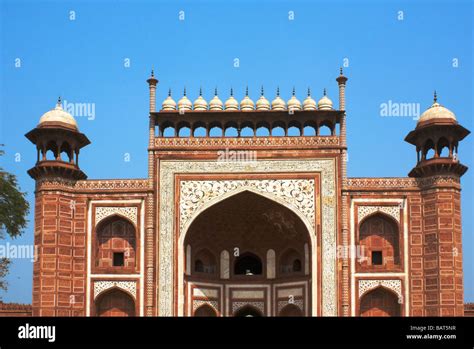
248, 250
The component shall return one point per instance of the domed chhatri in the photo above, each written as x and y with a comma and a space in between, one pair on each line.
200, 103
325, 103
58, 117
231, 103
294, 103
247, 104
216, 103
262, 102
184, 103
278, 103
437, 136
169, 103
436, 113
309, 103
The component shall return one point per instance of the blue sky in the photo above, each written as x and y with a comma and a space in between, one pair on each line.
83, 61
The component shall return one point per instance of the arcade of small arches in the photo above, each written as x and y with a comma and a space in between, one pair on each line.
58, 151
437, 148
234, 129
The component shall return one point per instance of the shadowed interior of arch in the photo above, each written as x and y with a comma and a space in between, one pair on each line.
247, 239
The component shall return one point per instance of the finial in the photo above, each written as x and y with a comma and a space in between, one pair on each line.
261, 91
247, 90
278, 91
200, 91
231, 92
435, 97
152, 73
324, 92
309, 92
169, 93
340, 71
59, 100
215, 91
185, 91
293, 90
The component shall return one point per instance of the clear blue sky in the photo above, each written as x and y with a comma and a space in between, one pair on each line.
83, 61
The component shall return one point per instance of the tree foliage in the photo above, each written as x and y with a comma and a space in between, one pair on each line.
13, 211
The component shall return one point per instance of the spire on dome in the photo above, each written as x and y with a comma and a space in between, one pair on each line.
294, 103
262, 102
231, 103
309, 103
247, 104
278, 103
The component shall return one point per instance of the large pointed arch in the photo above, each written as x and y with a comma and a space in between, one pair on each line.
224, 196
312, 240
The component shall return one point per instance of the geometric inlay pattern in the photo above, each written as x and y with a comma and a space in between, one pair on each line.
364, 211
394, 285
258, 305
129, 286
104, 212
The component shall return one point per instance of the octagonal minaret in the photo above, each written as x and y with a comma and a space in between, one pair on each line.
438, 176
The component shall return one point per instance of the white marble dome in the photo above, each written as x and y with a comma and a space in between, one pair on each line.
436, 112
58, 115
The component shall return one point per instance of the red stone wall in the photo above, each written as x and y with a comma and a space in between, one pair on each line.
59, 273
415, 251
436, 276
442, 253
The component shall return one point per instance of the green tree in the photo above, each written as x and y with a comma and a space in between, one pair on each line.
13, 211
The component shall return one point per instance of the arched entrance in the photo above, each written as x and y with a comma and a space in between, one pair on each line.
205, 311
291, 310
248, 311
380, 302
379, 236
115, 303
254, 249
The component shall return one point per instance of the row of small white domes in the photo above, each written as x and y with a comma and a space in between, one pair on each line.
247, 104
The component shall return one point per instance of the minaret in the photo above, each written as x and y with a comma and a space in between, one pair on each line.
60, 232
440, 239
150, 275
341, 81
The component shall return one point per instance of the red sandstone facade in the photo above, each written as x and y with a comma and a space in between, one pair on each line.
288, 234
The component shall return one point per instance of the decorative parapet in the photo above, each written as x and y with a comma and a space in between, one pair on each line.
399, 183
94, 186
247, 142
368, 184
